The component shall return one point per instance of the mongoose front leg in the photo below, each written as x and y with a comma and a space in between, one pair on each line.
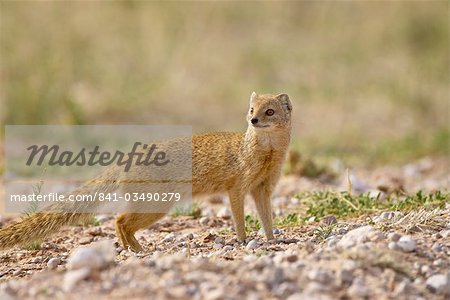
237, 209
128, 223
261, 195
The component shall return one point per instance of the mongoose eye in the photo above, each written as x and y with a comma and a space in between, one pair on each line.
251, 110
270, 112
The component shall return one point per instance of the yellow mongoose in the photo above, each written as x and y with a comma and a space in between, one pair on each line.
237, 163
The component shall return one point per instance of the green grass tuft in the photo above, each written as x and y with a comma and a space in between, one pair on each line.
290, 220
33, 246
92, 222
252, 223
324, 231
342, 204
192, 210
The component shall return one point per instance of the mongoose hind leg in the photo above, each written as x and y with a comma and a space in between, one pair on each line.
261, 195
237, 209
128, 223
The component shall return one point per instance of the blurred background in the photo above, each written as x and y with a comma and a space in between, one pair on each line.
369, 80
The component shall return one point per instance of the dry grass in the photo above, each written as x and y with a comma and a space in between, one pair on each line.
418, 220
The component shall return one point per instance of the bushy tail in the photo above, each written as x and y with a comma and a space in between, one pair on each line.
37, 227
40, 225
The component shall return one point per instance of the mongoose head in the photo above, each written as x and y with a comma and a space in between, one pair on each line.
269, 112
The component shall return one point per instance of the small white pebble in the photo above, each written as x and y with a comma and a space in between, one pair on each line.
228, 248
394, 236
204, 221
439, 283
53, 263
406, 243
219, 240
393, 246
253, 244
218, 246
437, 247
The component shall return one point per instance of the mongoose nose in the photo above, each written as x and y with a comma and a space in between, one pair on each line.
254, 120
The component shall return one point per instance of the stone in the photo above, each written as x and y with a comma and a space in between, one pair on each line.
402, 288
439, 284
425, 269
97, 256
437, 247
53, 263
375, 236
387, 215
218, 246
85, 240
445, 233
358, 289
342, 231
291, 258
169, 237
311, 220
344, 276
332, 241
71, 278
355, 236
284, 289
253, 244
95, 231
203, 221
349, 265
394, 236
219, 240
227, 248
85, 258
37, 260
436, 236
440, 262
273, 276
319, 275
393, 246
406, 243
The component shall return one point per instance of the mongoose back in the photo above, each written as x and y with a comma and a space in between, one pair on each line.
236, 163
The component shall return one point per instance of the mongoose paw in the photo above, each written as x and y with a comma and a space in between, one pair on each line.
241, 239
135, 248
270, 236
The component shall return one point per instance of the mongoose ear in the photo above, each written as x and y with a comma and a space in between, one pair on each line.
252, 97
285, 101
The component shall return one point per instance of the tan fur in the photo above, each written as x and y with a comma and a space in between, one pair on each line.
236, 163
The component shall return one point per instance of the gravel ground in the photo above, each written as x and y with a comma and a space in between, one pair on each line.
382, 256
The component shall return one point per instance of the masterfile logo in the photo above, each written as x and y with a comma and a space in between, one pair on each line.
130, 168
145, 155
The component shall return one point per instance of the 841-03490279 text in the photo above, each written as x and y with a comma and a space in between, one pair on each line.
102, 197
